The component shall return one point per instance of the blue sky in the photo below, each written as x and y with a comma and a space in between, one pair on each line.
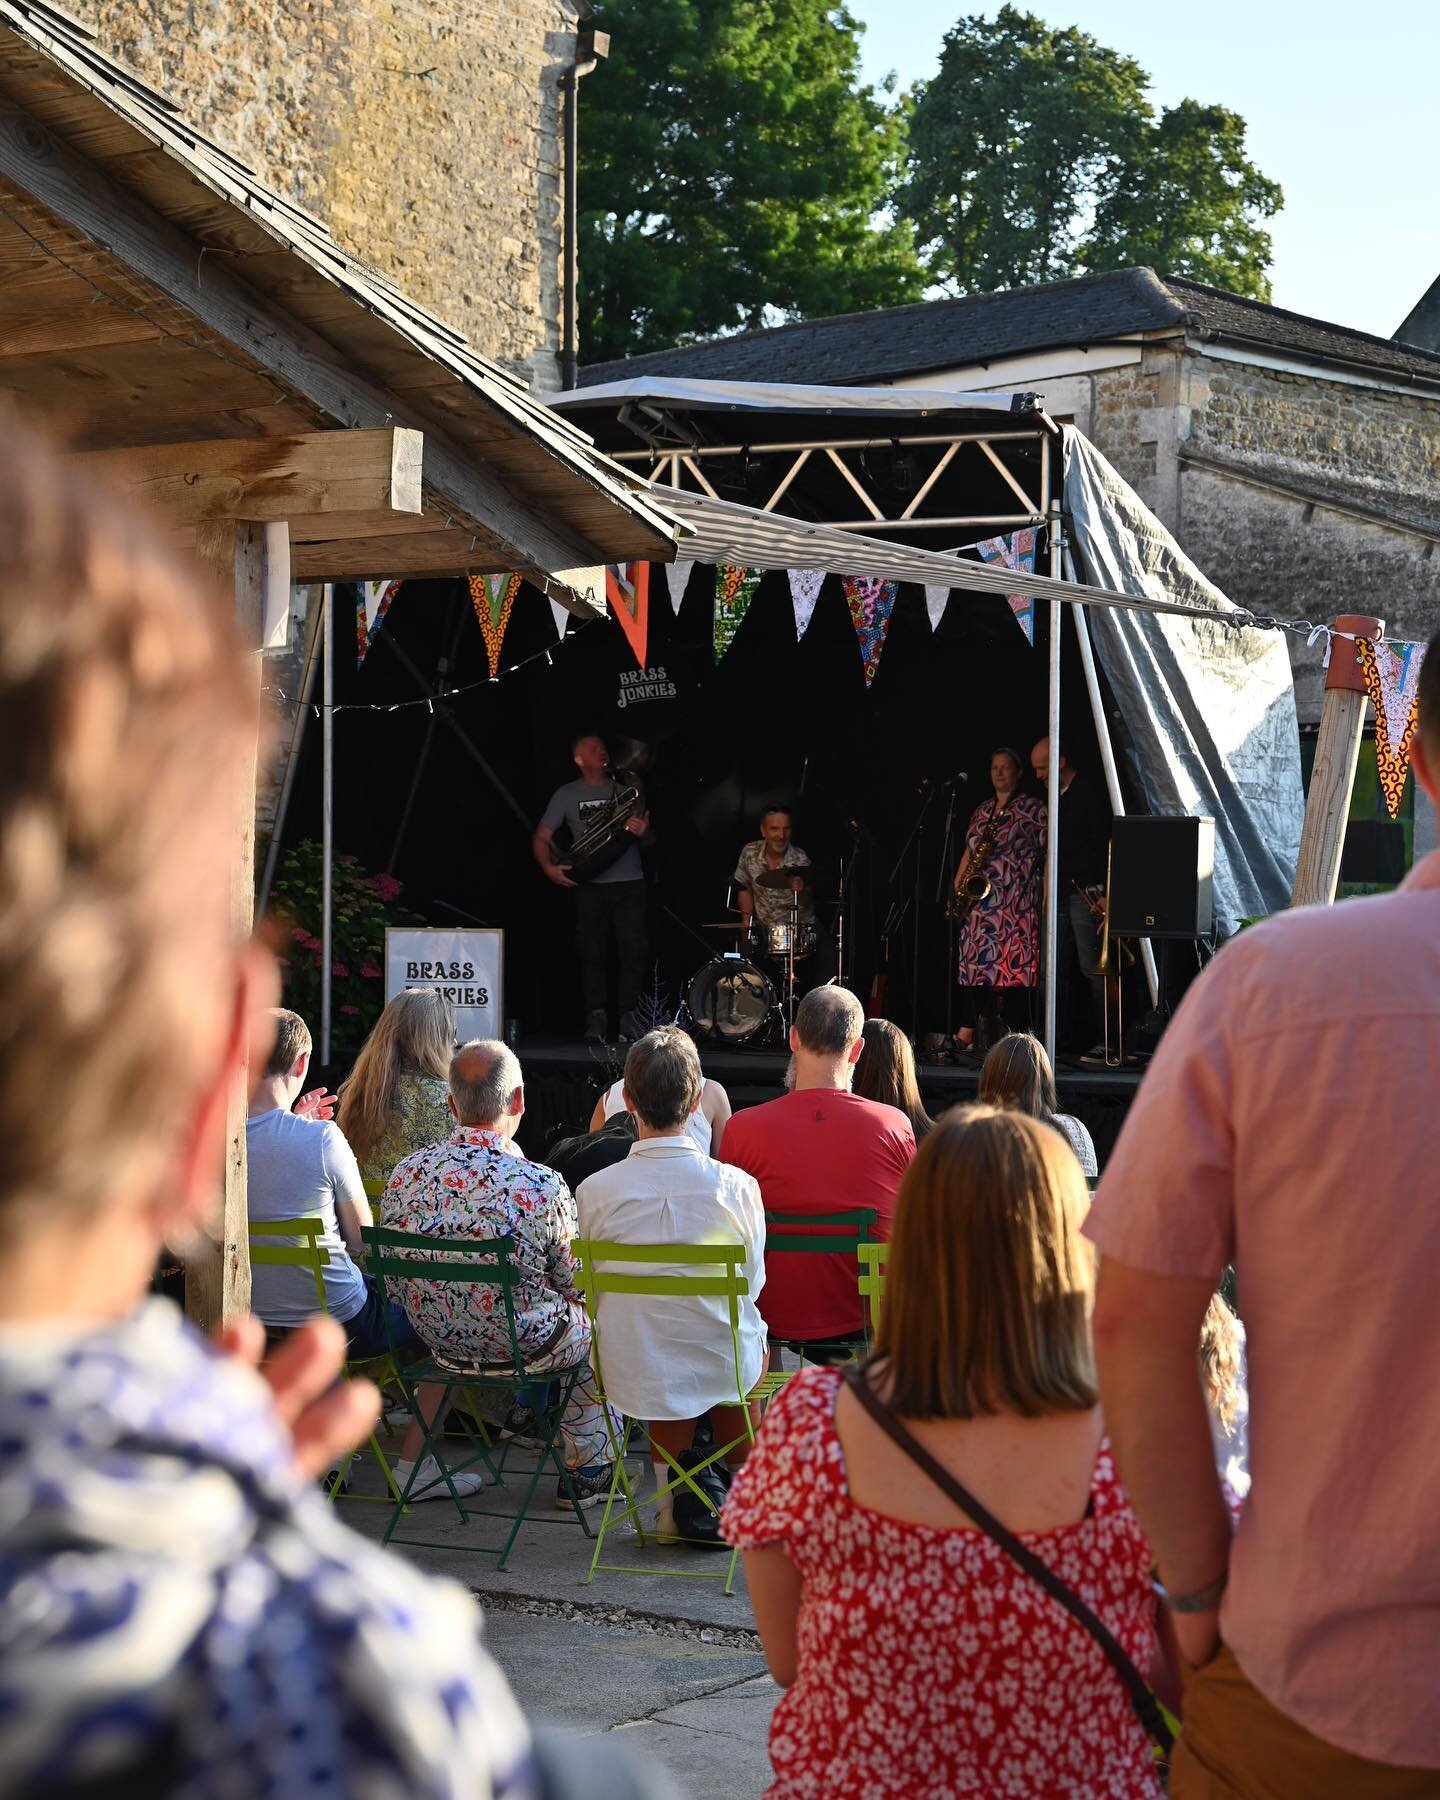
1341, 108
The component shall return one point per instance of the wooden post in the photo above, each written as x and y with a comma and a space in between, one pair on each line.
1342, 721
217, 1277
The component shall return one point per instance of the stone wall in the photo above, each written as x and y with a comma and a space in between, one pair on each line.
424, 132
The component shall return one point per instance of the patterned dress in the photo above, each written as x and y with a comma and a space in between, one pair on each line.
474, 1185
421, 1117
184, 1615
930, 1665
999, 945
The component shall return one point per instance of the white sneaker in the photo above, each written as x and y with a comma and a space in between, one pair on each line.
430, 1483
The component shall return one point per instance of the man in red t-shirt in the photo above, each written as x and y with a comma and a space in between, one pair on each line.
821, 1149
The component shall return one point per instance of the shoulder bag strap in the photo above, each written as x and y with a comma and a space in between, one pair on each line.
1147, 1708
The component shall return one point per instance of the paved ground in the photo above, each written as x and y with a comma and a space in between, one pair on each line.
669, 1661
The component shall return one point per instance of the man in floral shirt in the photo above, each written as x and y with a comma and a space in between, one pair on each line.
476, 1184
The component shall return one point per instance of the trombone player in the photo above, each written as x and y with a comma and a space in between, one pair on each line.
1084, 853
997, 905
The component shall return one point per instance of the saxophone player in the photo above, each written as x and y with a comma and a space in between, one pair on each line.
611, 904
997, 888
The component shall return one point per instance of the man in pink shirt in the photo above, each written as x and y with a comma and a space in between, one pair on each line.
1291, 1124
821, 1149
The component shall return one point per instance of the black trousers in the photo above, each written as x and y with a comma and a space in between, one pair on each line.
606, 910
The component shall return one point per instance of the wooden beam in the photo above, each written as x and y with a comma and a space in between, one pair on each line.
367, 473
1332, 777
39, 163
217, 1278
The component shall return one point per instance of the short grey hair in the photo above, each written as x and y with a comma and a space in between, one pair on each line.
484, 1073
663, 1079
828, 1021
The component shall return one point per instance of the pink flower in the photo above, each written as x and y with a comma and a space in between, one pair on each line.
310, 943
369, 971
386, 886
350, 1009
339, 969
300, 935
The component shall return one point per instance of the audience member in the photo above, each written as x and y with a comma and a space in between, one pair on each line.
184, 1612
706, 1124
917, 1656
395, 1099
669, 1362
821, 1149
476, 1184
886, 1072
1288, 1123
575, 1158
1016, 1074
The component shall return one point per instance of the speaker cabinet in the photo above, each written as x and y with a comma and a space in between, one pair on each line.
1162, 877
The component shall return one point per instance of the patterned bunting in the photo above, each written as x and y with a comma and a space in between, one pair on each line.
561, 615
871, 601
805, 585
1392, 680
677, 577
493, 596
373, 600
735, 587
627, 588
1016, 552
936, 600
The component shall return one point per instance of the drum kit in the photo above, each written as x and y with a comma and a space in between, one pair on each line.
731, 999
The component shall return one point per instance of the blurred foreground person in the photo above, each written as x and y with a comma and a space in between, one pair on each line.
180, 1611
1288, 1124
920, 1657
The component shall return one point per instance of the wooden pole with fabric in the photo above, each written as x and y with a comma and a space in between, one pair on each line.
1337, 750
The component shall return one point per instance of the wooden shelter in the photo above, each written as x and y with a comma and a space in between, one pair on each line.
202, 341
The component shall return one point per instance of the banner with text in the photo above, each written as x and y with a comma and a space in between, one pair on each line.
467, 966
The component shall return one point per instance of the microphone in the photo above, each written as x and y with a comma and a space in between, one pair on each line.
950, 780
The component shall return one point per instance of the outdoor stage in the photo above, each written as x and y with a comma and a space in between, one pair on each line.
563, 1077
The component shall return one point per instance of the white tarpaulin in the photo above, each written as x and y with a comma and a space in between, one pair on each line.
1210, 709
779, 396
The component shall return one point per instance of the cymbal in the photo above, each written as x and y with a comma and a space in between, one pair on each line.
724, 925
778, 878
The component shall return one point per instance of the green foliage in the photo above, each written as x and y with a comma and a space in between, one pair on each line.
733, 169
1035, 155
362, 906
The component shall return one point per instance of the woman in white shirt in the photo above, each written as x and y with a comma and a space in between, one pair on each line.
706, 1124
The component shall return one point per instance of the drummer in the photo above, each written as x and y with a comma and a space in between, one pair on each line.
763, 895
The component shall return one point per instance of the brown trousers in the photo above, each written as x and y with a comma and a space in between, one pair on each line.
1236, 1746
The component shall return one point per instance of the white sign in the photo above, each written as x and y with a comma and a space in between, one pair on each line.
467, 966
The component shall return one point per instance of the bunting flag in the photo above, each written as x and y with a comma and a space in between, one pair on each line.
677, 577
1392, 680
871, 602
627, 588
1016, 552
493, 596
561, 615
372, 601
735, 587
936, 600
805, 585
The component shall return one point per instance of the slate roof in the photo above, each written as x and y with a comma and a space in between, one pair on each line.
855, 348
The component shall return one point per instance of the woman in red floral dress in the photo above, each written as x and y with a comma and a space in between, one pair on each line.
919, 1659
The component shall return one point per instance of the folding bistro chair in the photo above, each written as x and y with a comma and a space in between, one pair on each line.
811, 1234
309, 1253
872, 1258
415, 1256
721, 1277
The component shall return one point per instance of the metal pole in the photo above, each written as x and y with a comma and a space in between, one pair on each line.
327, 818
1107, 755
569, 345
1052, 794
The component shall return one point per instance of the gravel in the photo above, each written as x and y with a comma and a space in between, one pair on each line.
618, 1618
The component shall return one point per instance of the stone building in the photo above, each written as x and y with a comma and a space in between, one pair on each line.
1296, 461
425, 133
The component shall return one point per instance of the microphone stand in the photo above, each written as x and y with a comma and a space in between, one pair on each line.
949, 1048
843, 901
917, 832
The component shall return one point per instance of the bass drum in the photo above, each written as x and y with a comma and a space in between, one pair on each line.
729, 1001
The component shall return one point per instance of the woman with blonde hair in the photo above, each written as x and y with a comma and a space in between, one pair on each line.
886, 1072
396, 1098
1016, 1074
886, 1513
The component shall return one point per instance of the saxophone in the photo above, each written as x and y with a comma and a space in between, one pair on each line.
976, 885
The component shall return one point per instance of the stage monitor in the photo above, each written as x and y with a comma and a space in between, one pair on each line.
1162, 877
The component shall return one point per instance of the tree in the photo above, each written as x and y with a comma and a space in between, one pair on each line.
1035, 155
733, 171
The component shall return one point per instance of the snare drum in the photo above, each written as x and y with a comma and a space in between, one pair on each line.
729, 1000
775, 940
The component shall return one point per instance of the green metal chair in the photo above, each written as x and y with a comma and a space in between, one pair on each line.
872, 1258
307, 1252
813, 1234
415, 1256
722, 1279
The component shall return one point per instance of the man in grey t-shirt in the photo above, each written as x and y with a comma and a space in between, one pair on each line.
610, 904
